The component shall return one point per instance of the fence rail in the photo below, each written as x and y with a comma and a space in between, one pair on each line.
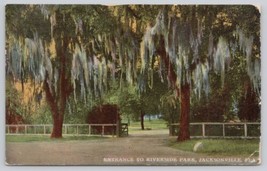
67, 129
220, 130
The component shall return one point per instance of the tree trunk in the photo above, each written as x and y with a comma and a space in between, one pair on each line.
142, 114
184, 133
57, 101
57, 126
56, 115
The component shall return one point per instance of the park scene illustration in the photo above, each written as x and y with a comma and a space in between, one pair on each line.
133, 85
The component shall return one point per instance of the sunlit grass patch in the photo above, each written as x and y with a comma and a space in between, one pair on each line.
46, 138
227, 147
153, 124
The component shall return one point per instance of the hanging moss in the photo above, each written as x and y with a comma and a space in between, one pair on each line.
193, 47
221, 57
246, 44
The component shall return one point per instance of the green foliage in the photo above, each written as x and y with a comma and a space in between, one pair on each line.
127, 98
169, 107
13, 99
41, 115
131, 102
224, 102
214, 107
77, 112
249, 105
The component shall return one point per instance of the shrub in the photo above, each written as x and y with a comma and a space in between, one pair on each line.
104, 114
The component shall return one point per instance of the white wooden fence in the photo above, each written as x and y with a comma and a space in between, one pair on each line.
197, 130
220, 130
67, 129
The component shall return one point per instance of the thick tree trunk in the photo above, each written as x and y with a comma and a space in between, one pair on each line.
184, 133
56, 116
57, 126
57, 101
142, 114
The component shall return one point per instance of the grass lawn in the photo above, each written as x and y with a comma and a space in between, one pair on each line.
153, 124
46, 138
220, 147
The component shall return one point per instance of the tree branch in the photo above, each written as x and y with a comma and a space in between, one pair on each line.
171, 72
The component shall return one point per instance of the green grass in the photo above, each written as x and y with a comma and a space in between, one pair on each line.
221, 147
46, 138
153, 124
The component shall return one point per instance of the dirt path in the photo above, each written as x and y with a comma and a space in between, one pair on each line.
131, 150
137, 149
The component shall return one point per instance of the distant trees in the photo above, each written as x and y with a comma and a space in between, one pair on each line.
134, 104
14, 112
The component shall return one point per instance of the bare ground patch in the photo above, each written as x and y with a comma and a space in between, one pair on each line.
111, 151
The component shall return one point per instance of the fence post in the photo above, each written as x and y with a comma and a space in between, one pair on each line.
245, 129
25, 129
17, 129
102, 130
77, 130
44, 129
113, 130
223, 130
66, 129
203, 130
118, 128
89, 130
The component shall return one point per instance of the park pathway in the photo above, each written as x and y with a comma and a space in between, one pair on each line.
139, 148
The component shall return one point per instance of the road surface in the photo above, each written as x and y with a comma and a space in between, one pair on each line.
145, 148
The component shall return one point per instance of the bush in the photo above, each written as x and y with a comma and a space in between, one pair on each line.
104, 114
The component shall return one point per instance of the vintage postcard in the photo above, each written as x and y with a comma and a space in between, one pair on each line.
133, 85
